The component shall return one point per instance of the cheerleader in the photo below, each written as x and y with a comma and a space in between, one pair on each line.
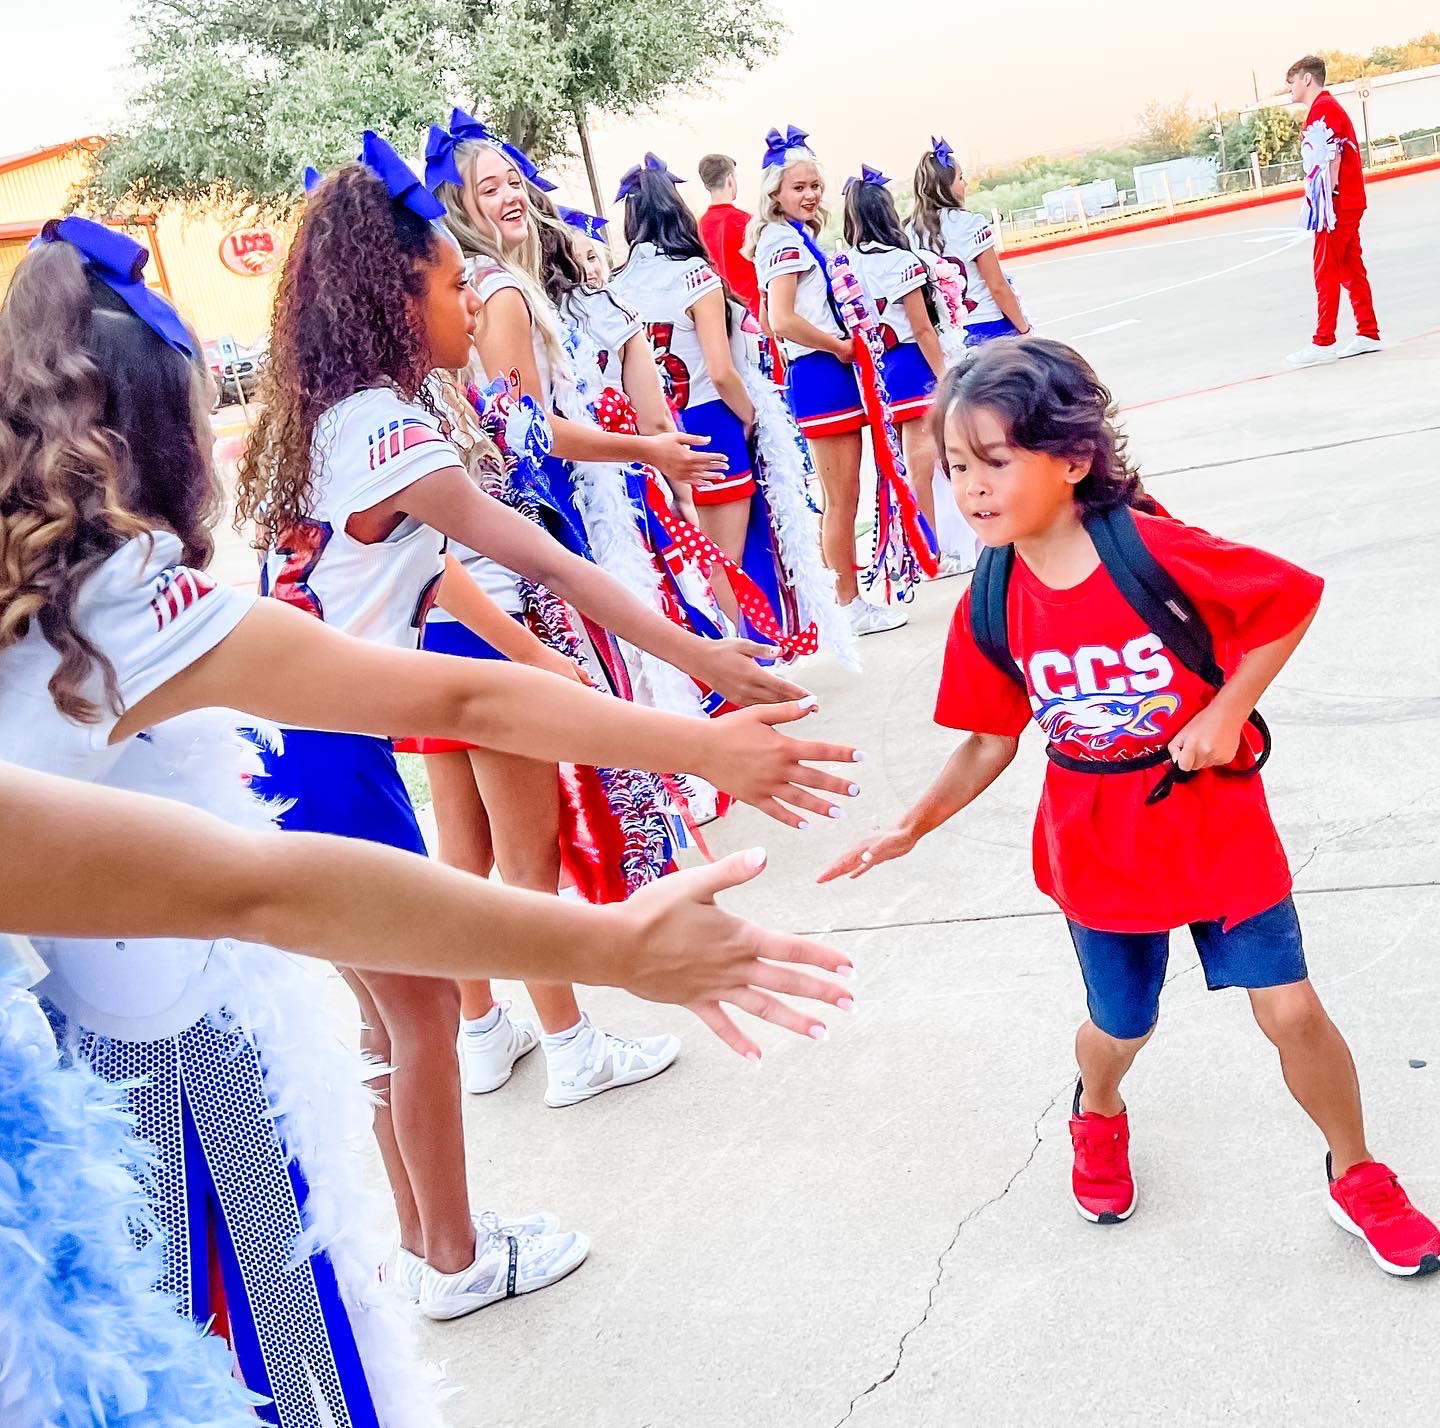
357, 486
589, 244
116, 659
820, 380
898, 282
942, 224
698, 349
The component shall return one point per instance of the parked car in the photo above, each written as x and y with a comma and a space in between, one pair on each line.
1386, 150
241, 374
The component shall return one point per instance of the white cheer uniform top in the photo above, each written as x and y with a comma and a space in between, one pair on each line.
963, 237
887, 275
664, 291
779, 250
366, 448
151, 617
609, 323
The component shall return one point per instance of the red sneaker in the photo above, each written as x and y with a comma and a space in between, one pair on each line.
1101, 1182
1368, 1201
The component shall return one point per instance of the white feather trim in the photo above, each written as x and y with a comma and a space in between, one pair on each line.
314, 1080
797, 531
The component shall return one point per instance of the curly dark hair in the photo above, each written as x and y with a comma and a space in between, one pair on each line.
104, 437
346, 318
1047, 398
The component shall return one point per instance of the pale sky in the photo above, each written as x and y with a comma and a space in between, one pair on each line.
1000, 81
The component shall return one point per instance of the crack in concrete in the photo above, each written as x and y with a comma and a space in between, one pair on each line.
1364, 826
940, 1263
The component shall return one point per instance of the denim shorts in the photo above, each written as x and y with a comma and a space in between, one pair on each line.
1124, 971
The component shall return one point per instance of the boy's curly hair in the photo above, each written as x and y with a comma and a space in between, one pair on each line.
1047, 398
346, 318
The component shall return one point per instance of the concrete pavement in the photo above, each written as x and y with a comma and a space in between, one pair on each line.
877, 1230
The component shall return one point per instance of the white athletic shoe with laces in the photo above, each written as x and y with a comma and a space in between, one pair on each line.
1359, 346
487, 1058
868, 619
1310, 355
506, 1264
401, 1272
594, 1062
952, 565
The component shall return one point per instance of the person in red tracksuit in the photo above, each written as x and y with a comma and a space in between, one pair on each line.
1335, 197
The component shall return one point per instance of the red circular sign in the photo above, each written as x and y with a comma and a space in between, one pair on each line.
252, 252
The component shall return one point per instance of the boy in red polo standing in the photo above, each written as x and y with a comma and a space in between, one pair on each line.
722, 230
1334, 205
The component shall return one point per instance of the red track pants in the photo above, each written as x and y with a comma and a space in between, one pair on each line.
1339, 264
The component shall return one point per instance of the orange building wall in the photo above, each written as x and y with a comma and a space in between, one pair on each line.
215, 301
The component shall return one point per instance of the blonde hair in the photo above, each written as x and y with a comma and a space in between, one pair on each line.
933, 181
482, 241
481, 457
769, 210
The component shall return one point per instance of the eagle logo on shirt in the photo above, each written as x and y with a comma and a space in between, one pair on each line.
1096, 721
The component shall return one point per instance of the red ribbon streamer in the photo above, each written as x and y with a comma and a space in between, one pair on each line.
899, 488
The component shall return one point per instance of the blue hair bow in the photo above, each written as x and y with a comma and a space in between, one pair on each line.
867, 175
119, 262
440, 146
399, 178
777, 145
311, 177
944, 154
630, 179
585, 223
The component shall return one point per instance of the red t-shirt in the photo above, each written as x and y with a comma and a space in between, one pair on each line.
722, 230
1102, 686
1350, 193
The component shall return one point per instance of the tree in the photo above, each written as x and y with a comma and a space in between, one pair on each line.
1168, 131
1341, 66
235, 97
619, 56
1274, 135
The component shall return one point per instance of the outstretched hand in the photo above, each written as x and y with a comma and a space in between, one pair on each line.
876, 849
729, 667
746, 756
684, 950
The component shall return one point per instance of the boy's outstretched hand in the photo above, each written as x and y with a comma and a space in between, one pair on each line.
876, 849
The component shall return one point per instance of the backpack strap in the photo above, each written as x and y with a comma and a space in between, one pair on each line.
1152, 592
989, 598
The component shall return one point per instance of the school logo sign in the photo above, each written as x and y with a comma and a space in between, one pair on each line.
252, 252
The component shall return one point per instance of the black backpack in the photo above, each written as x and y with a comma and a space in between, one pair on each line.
1151, 592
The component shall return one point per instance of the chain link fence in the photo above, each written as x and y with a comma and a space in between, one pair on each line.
1029, 223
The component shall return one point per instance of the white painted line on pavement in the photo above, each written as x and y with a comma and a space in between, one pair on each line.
1109, 327
1270, 237
1184, 283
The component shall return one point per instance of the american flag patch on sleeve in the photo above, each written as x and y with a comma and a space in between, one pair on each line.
698, 277
784, 255
397, 436
176, 590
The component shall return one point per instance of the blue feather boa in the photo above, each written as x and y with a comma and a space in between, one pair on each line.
85, 1340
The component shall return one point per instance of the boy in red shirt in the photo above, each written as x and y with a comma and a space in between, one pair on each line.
1335, 203
722, 230
1127, 849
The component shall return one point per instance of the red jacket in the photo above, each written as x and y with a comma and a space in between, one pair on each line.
1350, 191
722, 230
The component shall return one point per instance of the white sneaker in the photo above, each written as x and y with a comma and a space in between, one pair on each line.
487, 1058
505, 1265
1310, 355
402, 1271
868, 619
952, 565
1359, 346
594, 1062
